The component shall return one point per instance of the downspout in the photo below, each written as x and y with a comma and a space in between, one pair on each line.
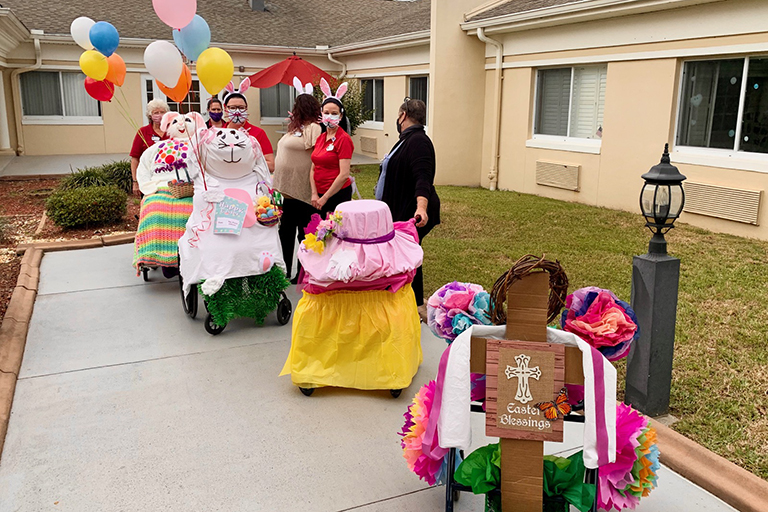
16, 89
343, 66
493, 175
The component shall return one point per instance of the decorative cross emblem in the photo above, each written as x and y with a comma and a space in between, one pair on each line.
522, 372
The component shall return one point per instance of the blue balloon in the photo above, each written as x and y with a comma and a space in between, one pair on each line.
193, 39
104, 38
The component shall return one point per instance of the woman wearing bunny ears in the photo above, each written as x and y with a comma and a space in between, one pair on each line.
332, 156
292, 167
236, 115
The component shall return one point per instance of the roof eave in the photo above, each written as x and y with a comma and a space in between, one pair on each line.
12, 32
381, 44
576, 12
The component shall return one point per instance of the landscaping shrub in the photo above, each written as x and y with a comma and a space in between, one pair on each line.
86, 206
114, 173
119, 174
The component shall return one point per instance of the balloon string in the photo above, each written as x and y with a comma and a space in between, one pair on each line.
125, 113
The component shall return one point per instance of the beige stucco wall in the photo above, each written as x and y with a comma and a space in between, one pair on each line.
644, 56
457, 94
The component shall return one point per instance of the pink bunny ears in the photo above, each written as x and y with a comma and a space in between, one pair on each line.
244, 86
302, 89
341, 91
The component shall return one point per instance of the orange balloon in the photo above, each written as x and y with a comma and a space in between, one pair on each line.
179, 92
116, 73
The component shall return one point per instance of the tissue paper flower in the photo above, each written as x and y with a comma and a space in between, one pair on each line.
455, 307
416, 421
598, 317
318, 231
633, 475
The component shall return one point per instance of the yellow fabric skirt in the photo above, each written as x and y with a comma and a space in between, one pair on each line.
355, 339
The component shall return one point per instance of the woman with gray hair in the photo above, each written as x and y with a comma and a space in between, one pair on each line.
147, 136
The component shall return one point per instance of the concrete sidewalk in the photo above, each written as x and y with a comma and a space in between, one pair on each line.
53, 165
124, 404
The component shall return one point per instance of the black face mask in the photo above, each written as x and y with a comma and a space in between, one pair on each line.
399, 125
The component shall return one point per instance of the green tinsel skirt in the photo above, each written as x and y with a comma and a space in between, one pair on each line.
247, 297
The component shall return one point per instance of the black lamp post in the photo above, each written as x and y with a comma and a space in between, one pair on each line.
661, 201
655, 278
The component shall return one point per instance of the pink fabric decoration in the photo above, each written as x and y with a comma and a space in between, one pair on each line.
616, 476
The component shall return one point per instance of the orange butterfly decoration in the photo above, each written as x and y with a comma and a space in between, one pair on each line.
560, 407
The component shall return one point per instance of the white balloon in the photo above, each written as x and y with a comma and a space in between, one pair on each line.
163, 61
80, 30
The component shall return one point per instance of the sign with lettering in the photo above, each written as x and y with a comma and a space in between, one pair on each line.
519, 375
230, 216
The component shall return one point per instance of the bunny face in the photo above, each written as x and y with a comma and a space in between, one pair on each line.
178, 126
231, 154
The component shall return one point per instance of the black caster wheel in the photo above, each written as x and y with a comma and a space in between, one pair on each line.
145, 273
188, 302
456, 495
395, 392
307, 391
212, 328
284, 310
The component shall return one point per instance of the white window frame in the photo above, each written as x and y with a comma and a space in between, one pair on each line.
559, 142
717, 157
373, 125
277, 121
61, 120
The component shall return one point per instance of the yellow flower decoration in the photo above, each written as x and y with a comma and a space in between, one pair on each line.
313, 244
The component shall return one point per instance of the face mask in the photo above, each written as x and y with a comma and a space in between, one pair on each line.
215, 116
331, 120
156, 118
237, 116
399, 125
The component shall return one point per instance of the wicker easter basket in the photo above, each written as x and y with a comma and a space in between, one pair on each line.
181, 189
276, 199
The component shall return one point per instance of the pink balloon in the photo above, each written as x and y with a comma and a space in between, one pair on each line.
175, 13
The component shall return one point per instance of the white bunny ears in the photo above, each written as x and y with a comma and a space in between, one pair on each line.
302, 89
244, 86
341, 91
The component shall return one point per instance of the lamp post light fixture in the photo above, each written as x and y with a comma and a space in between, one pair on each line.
655, 279
661, 201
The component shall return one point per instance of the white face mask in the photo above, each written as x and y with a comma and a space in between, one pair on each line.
331, 120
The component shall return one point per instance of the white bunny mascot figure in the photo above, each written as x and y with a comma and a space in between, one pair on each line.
163, 216
218, 245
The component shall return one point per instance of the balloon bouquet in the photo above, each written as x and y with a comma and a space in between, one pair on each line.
105, 70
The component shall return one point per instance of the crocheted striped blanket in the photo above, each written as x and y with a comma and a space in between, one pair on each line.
162, 221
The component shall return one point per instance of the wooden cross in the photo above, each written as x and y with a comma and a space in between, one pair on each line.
515, 422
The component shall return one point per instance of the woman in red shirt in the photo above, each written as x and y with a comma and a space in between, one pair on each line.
331, 158
236, 113
147, 136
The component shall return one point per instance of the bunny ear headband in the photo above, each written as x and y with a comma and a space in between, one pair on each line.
244, 86
302, 89
341, 91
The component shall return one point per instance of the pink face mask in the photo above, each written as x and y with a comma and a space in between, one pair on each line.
156, 118
331, 120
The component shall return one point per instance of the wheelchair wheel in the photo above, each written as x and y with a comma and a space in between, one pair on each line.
307, 391
395, 392
188, 302
284, 310
212, 328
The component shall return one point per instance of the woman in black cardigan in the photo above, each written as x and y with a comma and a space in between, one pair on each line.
406, 182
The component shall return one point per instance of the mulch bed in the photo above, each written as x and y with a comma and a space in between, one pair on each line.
22, 204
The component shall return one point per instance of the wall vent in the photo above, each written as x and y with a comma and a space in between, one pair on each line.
553, 174
736, 204
369, 144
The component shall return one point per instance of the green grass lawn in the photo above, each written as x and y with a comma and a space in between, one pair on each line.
720, 376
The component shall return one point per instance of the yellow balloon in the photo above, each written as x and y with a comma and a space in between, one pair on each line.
215, 69
94, 65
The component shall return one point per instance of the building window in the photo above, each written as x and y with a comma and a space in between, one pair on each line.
55, 94
418, 88
277, 101
570, 102
192, 103
373, 99
719, 109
